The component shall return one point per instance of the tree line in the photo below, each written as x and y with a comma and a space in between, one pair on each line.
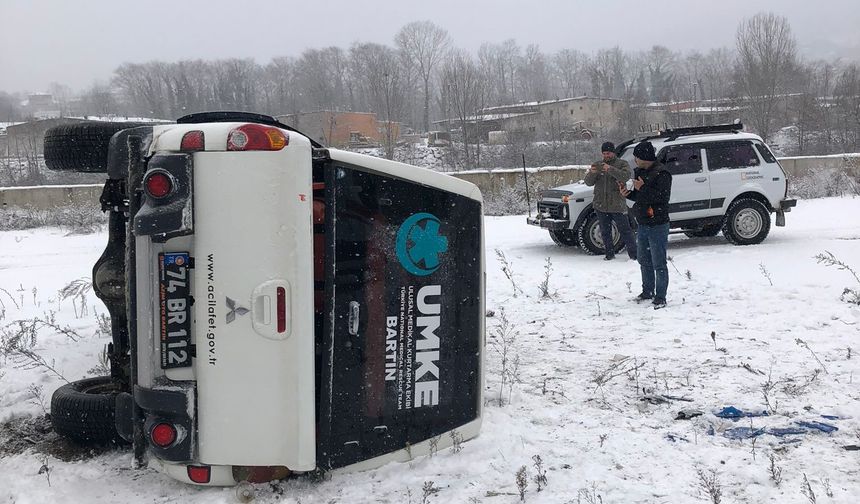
422, 77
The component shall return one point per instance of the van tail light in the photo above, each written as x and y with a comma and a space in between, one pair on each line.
163, 434
256, 137
199, 474
158, 184
192, 141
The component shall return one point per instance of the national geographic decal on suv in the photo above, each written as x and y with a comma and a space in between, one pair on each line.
407, 289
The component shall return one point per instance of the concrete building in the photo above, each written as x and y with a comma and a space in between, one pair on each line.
343, 129
563, 119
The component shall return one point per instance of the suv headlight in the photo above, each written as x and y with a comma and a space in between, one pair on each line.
564, 211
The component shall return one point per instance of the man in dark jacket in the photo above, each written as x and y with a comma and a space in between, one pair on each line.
652, 187
610, 206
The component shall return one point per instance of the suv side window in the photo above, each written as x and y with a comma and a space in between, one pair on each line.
766, 154
731, 155
681, 159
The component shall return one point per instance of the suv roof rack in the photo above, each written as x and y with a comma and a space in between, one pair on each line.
205, 117
671, 134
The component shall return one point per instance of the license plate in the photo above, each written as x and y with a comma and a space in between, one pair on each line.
175, 310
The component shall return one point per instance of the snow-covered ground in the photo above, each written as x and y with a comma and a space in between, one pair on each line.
591, 366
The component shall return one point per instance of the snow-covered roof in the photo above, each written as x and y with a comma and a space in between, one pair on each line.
547, 102
114, 118
488, 117
4, 125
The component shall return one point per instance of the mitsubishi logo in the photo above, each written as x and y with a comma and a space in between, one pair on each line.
233, 310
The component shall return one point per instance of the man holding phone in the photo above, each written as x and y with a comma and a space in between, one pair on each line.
651, 191
609, 205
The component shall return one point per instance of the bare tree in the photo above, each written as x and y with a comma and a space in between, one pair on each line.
464, 83
377, 69
500, 61
99, 100
767, 54
568, 67
661, 68
424, 44
533, 75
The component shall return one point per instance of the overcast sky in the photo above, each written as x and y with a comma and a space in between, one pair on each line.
77, 42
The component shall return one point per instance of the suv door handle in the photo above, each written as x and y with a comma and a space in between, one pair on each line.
701, 179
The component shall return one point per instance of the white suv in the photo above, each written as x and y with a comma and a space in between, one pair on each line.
277, 307
722, 180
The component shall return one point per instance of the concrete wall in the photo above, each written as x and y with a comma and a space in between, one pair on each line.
800, 165
42, 197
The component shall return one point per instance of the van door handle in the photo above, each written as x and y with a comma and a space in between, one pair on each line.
701, 179
352, 320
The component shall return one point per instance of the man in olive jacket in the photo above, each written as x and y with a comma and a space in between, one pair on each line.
652, 187
608, 204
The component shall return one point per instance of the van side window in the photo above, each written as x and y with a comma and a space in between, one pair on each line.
731, 155
766, 154
681, 159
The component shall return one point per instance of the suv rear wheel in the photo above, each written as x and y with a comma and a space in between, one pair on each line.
747, 222
591, 240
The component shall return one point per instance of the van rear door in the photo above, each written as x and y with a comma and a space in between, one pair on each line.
403, 332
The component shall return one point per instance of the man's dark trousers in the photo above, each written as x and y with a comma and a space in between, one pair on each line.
605, 220
652, 241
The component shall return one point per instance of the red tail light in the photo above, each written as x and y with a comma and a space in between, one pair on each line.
158, 184
256, 137
163, 434
192, 141
199, 474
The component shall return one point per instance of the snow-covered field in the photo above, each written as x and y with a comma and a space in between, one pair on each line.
599, 383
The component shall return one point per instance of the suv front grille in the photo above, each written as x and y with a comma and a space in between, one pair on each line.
550, 209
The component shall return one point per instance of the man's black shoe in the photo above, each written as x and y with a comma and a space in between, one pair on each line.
659, 302
643, 297
609, 258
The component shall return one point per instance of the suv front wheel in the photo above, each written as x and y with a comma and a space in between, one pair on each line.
564, 237
747, 222
590, 239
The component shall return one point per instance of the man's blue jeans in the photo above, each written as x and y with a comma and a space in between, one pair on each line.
651, 252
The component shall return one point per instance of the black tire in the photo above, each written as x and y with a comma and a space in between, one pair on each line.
85, 411
564, 237
747, 222
590, 240
705, 232
81, 147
